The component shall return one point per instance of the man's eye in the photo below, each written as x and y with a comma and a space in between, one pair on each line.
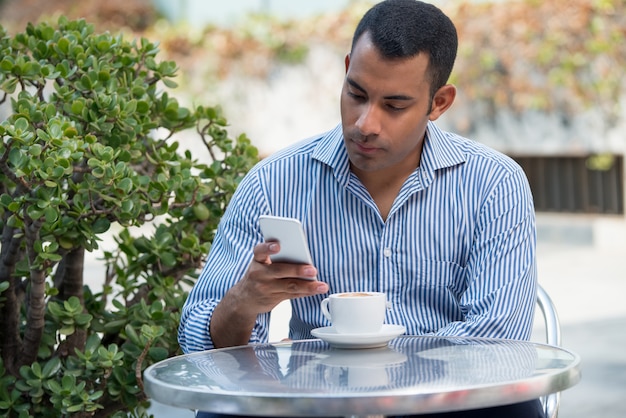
356, 96
394, 107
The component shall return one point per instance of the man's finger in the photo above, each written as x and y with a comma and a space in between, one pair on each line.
263, 251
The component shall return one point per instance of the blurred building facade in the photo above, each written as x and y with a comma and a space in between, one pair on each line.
574, 161
203, 12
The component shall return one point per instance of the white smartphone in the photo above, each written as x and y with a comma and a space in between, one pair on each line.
290, 235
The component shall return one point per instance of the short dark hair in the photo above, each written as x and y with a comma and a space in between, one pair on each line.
405, 28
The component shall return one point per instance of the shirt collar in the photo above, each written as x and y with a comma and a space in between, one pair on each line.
441, 150
331, 151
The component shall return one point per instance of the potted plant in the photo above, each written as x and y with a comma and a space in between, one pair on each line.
89, 148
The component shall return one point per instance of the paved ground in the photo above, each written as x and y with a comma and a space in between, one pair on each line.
588, 285
582, 265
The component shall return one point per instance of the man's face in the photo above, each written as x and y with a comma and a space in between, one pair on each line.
385, 106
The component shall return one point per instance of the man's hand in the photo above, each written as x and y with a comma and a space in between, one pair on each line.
264, 286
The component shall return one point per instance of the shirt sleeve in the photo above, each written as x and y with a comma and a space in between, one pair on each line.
500, 298
228, 260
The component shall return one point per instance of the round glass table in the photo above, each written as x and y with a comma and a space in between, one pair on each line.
411, 375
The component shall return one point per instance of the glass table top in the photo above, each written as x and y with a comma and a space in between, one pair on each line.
410, 375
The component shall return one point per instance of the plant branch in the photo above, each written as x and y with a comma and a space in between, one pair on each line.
7, 171
40, 88
203, 132
140, 360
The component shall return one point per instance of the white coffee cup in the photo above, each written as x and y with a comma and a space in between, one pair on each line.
355, 312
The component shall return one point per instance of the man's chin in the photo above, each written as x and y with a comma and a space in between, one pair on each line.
359, 163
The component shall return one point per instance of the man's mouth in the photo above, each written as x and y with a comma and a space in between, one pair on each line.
365, 148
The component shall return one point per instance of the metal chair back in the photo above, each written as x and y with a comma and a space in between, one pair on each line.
550, 402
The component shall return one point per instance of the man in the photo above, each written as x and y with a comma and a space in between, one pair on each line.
389, 202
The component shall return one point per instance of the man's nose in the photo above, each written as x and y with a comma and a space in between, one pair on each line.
369, 122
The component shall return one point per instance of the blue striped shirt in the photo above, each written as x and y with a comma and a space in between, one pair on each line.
456, 254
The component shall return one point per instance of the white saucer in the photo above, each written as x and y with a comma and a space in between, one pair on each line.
377, 339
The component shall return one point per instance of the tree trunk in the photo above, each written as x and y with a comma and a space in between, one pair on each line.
73, 277
10, 341
35, 318
73, 286
36, 302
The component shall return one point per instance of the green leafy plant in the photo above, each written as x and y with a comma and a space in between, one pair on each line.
89, 147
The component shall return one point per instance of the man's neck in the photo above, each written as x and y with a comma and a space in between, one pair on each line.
383, 187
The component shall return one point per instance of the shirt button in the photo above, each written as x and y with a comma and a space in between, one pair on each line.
387, 252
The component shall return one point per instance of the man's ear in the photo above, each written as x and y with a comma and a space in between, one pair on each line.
347, 61
442, 100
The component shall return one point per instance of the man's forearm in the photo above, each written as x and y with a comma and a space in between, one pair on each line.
230, 324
